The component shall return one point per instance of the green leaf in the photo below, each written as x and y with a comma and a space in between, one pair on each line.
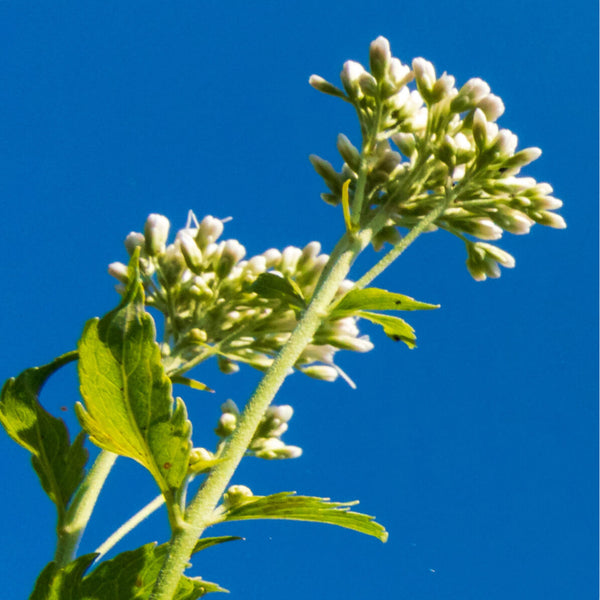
286, 505
128, 407
62, 584
269, 285
58, 463
394, 327
131, 575
376, 299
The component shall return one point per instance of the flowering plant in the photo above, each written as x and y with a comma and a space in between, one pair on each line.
431, 158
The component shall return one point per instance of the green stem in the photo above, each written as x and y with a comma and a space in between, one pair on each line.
401, 246
130, 524
202, 506
81, 507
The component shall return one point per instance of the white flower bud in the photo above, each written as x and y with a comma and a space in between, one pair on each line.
324, 86
424, 74
479, 128
229, 406
350, 75
273, 257
209, 230
322, 372
379, 57
236, 495
156, 232
505, 143
134, 240
231, 253
118, 271
549, 219
227, 424
469, 95
499, 255
399, 74
492, 106
283, 412
189, 249
289, 259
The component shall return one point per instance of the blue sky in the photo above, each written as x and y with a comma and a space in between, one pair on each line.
477, 450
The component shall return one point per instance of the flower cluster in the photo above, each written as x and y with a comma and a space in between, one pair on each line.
213, 306
433, 145
267, 442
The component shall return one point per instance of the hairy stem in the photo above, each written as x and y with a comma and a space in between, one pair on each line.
202, 506
401, 246
81, 507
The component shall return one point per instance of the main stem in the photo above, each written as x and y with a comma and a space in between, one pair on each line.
199, 512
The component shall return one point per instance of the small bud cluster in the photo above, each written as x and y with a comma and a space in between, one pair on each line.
203, 287
267, 442
422, 145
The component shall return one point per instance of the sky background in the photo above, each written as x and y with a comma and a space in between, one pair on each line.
478, 449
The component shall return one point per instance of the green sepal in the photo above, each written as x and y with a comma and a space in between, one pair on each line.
127, 405
62, 584
191, 383
394, 327
286, 505
269, 285
377, 299
58, 463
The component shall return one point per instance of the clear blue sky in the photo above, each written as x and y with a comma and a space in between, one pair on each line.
477, 450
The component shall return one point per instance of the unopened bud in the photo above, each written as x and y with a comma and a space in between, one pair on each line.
469, 95
324, 86
379, 57
492, 106
227, 366
348, 152
118, 271
156, 232
232, 253
227, 424
172, 264
424, 76
209, 230
322, 372
479, 128
350, 75
191, 252
134, 240
236, 495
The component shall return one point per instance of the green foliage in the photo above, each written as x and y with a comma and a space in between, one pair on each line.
128, 408
394, 327
377, 299
129, 576
269, 285
58, 463
286, 505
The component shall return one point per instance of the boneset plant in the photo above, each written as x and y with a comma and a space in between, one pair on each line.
431, 158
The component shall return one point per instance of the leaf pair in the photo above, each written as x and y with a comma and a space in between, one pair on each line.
361, 303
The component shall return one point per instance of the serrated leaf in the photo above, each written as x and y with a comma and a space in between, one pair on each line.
58, 463
269, 285
62, 584
394, 327
131, 575
377, 299
128, 407
286, 505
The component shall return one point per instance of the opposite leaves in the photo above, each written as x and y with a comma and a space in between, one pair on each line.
58, 463
128, 408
